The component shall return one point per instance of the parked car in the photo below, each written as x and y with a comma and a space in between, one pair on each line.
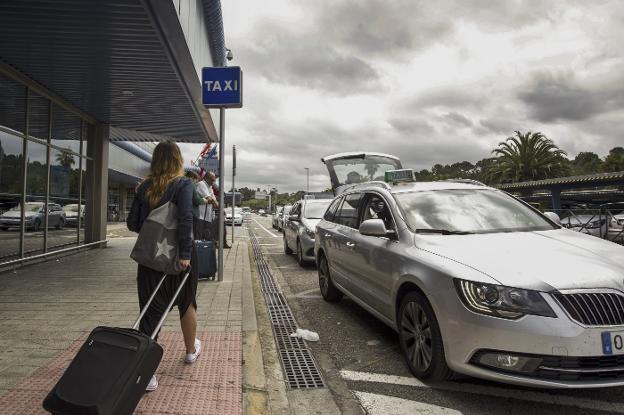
238, 216
300, 226
277, 216
500, 292
594, 223
34, 216
261, 212
246, 211
283, 217
72, 211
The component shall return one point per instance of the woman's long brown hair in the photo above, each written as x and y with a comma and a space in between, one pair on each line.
167, 164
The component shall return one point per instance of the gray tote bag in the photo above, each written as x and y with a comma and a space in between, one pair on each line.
157, 244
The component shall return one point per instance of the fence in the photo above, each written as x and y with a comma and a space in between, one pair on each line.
602, 223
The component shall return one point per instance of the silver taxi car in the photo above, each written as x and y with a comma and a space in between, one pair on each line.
477, 282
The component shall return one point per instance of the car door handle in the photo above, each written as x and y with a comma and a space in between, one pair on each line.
350, 244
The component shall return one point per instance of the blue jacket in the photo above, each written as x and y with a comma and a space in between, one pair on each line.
184, 201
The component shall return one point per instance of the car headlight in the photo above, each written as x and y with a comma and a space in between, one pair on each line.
595, 224
500, 301
310, 233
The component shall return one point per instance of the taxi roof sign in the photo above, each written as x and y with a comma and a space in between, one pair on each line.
402, 175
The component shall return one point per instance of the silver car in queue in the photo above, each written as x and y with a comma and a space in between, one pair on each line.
299, 228
477, 282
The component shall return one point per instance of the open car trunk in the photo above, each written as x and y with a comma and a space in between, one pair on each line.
351, 168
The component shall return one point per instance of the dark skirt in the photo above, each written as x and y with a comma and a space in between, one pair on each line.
147, 280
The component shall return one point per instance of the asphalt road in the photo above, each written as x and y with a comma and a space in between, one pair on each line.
360, 358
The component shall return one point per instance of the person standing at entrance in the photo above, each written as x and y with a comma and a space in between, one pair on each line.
206, 211
165, 183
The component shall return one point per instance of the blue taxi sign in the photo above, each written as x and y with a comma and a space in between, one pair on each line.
402, 175
222, 87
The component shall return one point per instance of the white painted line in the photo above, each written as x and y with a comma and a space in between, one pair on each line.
389, 405
379, 378
265, 229
523, 395
313, 293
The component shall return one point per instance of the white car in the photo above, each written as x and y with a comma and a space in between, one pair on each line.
590, 224
238, 216
72, 211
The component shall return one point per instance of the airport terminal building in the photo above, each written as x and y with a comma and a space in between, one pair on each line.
86, 89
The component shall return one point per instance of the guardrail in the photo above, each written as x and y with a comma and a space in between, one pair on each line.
602, 223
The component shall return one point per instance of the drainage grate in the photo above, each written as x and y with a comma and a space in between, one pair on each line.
297, 361
300, 369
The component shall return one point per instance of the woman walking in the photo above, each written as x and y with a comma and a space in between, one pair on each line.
165, 183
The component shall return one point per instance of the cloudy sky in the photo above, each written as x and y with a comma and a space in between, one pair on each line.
430, 82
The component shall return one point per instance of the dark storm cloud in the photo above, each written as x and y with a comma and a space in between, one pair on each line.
497, 126
553, 97
411, 125
457, 119
307, 61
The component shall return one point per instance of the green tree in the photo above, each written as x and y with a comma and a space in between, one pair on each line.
615, 160
65, 159
530, 156
586, 162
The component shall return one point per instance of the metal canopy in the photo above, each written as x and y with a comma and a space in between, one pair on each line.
119, 61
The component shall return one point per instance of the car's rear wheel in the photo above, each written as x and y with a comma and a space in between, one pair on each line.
302, 262
328, 290
287, 250
420, 338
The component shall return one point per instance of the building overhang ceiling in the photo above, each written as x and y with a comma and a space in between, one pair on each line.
122, 62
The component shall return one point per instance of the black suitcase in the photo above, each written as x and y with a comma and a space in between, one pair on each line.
109, 373
204, 260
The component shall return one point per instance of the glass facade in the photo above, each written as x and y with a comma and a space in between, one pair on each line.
43, 173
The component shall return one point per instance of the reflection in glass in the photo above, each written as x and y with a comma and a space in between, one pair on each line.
38, 117
65, 129
11, 162
64, 185
36, 180
12, 104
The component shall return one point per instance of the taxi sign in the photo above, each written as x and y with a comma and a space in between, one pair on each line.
402, 175
222, 87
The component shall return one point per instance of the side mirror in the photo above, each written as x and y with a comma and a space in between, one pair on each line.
553, 217
294, 218
373, 227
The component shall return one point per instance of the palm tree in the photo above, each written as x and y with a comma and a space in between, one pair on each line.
523, 157
65, 159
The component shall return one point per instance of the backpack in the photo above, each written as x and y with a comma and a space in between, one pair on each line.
157, 244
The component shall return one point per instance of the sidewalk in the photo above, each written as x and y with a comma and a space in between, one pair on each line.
47, 309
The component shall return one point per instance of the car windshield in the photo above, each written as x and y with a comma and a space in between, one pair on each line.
469, 211
315, 210
30, 207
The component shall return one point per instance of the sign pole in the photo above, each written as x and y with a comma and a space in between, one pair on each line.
233, 188
221, 191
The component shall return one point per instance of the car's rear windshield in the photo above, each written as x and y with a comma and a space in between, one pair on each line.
469, 210
315, 210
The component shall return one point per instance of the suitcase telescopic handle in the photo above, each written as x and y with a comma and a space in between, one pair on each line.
164, 316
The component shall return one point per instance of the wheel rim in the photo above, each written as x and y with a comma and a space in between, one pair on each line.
323, 277
416, 333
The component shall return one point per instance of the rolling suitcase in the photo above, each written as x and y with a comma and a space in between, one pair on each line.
109, 373
205, 262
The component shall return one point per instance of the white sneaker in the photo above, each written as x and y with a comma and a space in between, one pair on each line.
192, 357
152, 385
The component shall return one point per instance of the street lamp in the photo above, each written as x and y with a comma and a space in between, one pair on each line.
308, 181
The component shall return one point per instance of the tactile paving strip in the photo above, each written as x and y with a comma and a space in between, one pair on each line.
211, 385
298, 363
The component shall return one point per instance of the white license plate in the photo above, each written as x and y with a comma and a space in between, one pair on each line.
612, 342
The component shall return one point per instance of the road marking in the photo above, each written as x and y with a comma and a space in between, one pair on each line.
389, 405
265, 229
313, 293
523, 395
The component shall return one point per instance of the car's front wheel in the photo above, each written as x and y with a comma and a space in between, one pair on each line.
328, 290
420, 338
287, 249
300, 260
